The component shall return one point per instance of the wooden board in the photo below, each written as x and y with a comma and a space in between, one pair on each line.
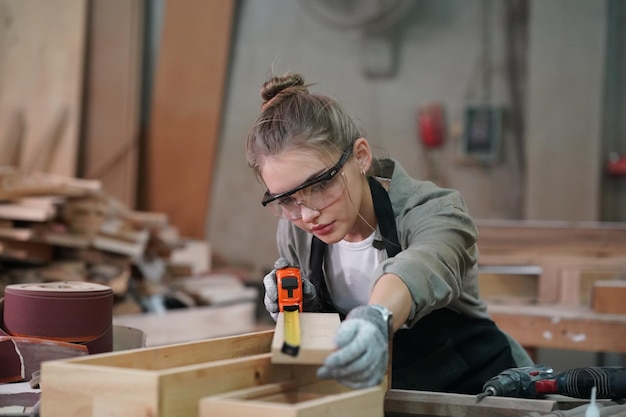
562, 327
318, 332
288, 399
551, 237
163, 381
29, 252
112, 96
508, 286
199, 323
402, 403
186, 110
41, 80
609, 297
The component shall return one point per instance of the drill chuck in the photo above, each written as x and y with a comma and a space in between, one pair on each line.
516, 382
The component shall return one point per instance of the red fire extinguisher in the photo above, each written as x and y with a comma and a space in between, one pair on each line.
616, 165
431, 125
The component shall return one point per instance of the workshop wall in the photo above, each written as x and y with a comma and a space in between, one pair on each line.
541, 63
453, 52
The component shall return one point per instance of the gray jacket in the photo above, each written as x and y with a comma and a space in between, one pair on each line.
438, 262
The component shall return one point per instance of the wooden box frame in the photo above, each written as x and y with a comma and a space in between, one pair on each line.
166, 381
289, 399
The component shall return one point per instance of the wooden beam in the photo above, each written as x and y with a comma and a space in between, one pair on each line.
288, 399
562, 327
187, 109
41, 77
403, 403
112, 96
200, 323
557, 238
609, 297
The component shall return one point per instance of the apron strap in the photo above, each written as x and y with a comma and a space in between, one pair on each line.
385, 217
387, 226
316, 264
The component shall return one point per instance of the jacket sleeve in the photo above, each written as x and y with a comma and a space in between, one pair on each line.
438, 260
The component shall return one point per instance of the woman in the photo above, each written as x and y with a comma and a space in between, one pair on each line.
373, 244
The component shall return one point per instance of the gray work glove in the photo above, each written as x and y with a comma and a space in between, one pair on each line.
362, 354
271, 290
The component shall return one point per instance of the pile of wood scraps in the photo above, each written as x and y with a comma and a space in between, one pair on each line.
55, 228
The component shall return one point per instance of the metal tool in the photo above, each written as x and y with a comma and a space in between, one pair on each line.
539, 380
289, 283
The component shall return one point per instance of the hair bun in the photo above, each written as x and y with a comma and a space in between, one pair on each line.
288, 83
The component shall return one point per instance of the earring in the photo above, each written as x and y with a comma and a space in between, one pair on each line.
363, 172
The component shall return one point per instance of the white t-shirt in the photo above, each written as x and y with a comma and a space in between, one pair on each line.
351, 266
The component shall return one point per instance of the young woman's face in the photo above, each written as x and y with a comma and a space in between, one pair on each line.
332, 216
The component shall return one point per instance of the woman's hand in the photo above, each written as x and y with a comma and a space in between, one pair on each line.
270, 298
362, 356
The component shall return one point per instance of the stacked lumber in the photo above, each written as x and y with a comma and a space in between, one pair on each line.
56, 228
549, 261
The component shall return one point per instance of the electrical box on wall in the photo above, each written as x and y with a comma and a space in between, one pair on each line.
482, 132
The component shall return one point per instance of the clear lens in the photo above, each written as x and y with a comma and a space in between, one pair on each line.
316, 197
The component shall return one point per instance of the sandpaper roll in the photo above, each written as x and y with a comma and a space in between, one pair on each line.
76, 312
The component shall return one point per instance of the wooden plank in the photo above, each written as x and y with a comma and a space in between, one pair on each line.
509, 286
287, 399
183, 354
11, 136
14, 233
41, 77
25, 251
318, 332
402, 403
24, 212
112, 96
200, 323
609, 297
186, 110
562, 327
540, 238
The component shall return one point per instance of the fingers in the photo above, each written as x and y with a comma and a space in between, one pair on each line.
365, 371
308, 289
361, 358
281, 263
353, 340
270, 299
271, 289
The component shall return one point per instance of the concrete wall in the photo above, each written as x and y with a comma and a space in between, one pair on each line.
439, 59
565, 95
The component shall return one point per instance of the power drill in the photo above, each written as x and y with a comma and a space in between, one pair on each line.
539, 380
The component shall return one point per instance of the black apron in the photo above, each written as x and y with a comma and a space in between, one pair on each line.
444, 351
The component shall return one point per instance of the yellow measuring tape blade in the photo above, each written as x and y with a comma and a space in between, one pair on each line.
291, 344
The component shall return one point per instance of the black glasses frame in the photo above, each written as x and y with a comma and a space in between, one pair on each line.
324, 176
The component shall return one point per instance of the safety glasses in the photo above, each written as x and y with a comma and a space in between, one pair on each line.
316, 193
